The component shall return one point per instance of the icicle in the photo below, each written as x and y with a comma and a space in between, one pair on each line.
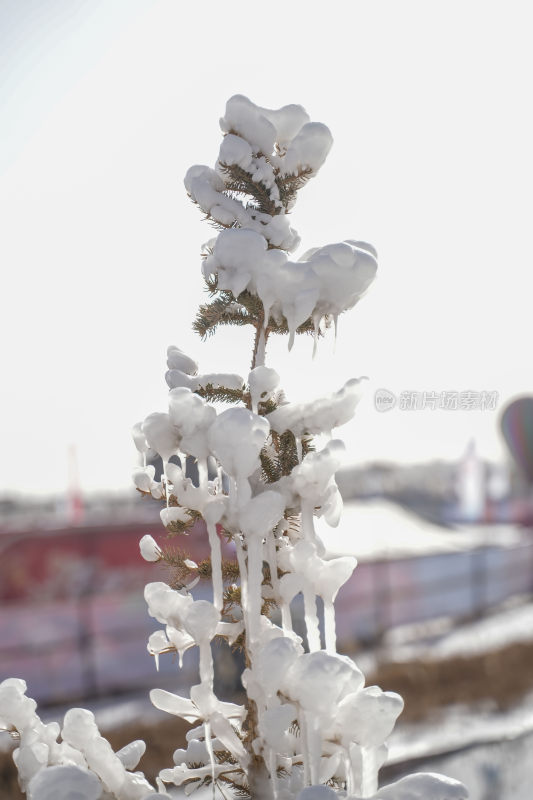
254, 546
311, 621
206, 663
298, 440
350, 782
156, 657
273, 769
216, 565
202, 473
314, 745
336, 327
232, 494
330, 635
220, 487
369, 778
355, 769
261, 349
209, 747
291, 339
305, 747
167, 493
244, 578
308, 526
316, 327
286, 618
266, 313
272, 560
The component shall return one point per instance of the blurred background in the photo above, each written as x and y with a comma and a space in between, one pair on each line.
103, 107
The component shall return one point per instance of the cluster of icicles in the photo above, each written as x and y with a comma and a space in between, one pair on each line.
316, 721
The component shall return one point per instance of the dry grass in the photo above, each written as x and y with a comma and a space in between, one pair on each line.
502, 676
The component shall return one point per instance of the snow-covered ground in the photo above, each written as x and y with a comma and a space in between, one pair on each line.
510, 625
377, 529
490, 752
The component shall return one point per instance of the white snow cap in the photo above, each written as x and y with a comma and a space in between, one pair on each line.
191, 416
332, 280
308, 150
177, 378
161, 434
311, 478
149, 548
177, 359
262, 127
263, 382
320, 415
139, 438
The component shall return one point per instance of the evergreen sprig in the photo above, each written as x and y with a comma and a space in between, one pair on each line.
240, 182
220, 394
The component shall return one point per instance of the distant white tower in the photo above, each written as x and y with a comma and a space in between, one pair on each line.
471, 485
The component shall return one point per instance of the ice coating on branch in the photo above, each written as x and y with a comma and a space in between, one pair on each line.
367, 716
64, 782
149, 548
192, 417
16, 709
263, 382
312, 477
139, 438
305, 566
330, 281
82, 765
174, 514
131, 754
177, 359
261, 514
318, 680
166, 605
161, 434
236, 438
320, 415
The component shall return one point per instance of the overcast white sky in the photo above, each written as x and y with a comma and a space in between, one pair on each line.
106, 103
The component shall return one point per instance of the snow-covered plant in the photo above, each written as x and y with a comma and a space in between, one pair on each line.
309, 728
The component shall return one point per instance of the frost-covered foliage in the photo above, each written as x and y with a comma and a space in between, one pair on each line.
309, 729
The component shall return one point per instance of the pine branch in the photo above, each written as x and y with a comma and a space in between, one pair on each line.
240, 182
288, 454
231, 598
271, 468
289, 185
220, 394
179, 526
211, 315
